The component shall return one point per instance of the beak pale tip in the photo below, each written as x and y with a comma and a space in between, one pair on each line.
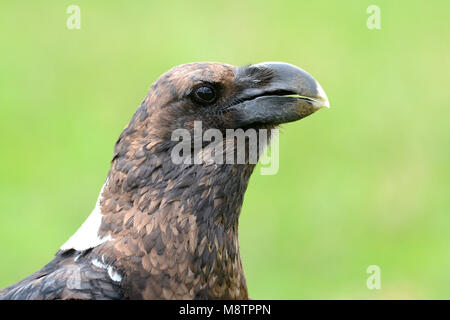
325, 103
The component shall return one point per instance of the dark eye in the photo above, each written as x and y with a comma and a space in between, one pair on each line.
204, 94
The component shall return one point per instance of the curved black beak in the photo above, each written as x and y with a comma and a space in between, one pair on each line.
275, 93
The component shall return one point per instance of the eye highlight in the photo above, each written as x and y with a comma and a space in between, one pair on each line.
204, 94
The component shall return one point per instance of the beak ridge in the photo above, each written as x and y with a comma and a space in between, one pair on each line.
292, 78
286, 93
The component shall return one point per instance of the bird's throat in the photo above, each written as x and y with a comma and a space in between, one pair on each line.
176, 226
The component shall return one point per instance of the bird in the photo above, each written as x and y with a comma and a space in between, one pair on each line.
164, 230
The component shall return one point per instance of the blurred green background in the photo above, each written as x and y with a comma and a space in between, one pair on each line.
364, 183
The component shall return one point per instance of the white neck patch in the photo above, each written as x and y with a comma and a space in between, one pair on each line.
87, 235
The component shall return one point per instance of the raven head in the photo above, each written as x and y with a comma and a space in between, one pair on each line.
222, 96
